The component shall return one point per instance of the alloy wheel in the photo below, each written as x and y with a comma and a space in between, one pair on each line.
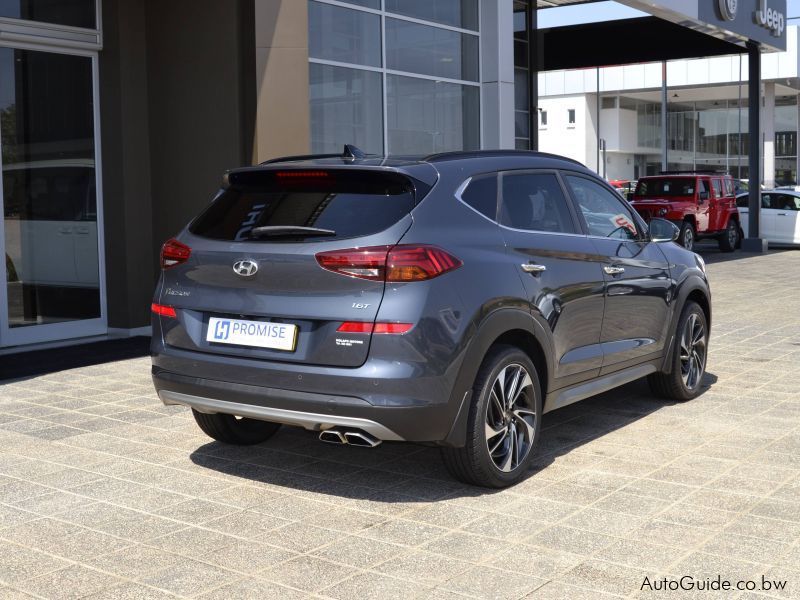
688, 238
693, 352
511, 418
733, 236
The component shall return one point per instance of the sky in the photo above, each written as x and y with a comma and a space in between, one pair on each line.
608, 11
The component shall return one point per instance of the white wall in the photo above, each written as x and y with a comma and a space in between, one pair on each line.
619, 165
561, 137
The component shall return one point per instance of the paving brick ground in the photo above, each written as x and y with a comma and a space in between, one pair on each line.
104, 493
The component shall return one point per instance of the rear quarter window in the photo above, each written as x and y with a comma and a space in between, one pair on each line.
353, 204
481, 194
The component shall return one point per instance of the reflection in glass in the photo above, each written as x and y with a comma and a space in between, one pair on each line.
521, 124
521, 89
427, 116
344, 35
49, 200
431, 50
74, 13
345, 109
456, 13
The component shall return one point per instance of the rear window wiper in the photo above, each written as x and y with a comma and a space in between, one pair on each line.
288, 231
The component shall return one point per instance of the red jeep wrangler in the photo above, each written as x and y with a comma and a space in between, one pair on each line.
702, 204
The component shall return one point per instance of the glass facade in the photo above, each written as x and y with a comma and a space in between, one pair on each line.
399, 79
522, 135
710, 135
786, 140
49, 193
51, 239
345, 105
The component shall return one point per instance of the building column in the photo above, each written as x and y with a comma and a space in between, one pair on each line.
283, 113
768, 126
497, 74
754, 243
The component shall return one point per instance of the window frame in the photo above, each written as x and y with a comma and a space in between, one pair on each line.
465, 185
386, 72
19, 32
576, 223
643, 232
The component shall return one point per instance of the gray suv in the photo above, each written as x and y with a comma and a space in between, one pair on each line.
452, 299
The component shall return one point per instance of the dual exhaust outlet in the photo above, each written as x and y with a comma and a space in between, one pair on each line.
350, 437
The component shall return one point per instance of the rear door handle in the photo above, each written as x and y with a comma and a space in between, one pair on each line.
781, 214
614, 270
534, 269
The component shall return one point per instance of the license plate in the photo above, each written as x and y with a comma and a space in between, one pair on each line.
261, 334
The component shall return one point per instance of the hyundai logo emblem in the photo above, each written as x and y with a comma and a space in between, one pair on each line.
245, 268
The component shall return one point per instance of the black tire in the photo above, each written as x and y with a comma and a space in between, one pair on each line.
674, 385
729, 240
688, 236
474, 464
235, 430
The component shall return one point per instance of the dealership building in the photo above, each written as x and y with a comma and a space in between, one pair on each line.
617, 131
119, 117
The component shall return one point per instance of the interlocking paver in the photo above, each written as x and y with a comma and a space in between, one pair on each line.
105, 493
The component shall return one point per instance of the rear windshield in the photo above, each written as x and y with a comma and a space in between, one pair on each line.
352, 204
673, 186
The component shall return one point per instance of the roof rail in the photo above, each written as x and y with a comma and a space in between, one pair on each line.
350, 152
443, 156
696, 172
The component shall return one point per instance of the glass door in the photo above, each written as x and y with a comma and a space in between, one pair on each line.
52, 228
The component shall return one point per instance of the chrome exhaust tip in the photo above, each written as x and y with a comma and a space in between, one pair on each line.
361, 438
332, 436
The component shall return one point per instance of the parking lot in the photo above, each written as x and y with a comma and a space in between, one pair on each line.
105, 493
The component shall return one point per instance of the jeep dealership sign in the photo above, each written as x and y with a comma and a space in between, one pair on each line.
736, 21
770, 18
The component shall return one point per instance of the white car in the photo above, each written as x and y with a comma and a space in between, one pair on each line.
780, 216
51, 223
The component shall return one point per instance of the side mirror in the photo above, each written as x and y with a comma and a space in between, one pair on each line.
703, 196
662, 231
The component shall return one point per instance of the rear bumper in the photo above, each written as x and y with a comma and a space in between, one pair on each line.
307, 420
380, 402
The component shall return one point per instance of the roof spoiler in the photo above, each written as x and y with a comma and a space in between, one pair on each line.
350, 152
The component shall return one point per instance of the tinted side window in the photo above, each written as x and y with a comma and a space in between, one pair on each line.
743, 201
605, 213
481, 194
717, 184
768, 201
701, 187
728, 187
784, 202
535, 202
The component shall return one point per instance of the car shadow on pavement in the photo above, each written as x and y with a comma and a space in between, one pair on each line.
404, 472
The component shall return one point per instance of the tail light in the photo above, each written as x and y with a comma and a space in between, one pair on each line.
390, 263
379, 328
163, 310
174, 253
